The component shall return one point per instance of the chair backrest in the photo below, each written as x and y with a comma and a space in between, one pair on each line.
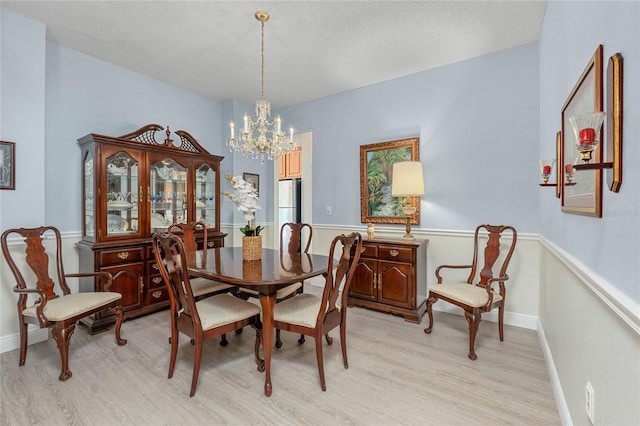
37, 261
171, 259
187, 231
340, 275
295, 233
491, 256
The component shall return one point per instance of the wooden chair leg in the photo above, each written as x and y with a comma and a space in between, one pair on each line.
301, 339
62, 335
196, 364
175, 337
474, 321
223, 340
329, 339
343, 342
501, 322
278, 341
23, 342
256, 349
430, 301
318, 340
120, 317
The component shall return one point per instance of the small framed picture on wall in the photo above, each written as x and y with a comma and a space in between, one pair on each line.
7, 165
253, 179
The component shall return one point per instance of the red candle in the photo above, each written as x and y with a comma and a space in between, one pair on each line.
546, 170
568, 169
587, 136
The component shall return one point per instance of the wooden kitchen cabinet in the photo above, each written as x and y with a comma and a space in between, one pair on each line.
290, 165
132, 187
391, 277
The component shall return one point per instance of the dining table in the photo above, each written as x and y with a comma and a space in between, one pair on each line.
275, 270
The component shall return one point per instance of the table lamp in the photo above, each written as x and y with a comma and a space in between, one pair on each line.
407, 181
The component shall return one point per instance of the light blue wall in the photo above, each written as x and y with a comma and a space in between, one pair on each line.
611, 245
478, 126
86, 95
22, 117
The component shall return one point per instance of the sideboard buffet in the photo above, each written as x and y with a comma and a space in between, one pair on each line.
391, 277
133, 186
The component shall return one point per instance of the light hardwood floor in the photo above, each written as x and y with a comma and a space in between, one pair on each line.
397, 375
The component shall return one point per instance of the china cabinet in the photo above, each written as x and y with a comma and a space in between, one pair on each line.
391, 277
132, 187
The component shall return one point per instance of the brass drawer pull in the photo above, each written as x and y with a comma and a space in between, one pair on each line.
394, 253
156, 280
156, 294
123, 255
362, 250
155, 266
211, 243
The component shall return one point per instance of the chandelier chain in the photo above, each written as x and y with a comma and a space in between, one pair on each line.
261, 137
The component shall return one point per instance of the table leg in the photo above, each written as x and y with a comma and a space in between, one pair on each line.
267, 302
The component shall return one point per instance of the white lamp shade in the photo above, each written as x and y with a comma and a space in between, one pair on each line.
407, 179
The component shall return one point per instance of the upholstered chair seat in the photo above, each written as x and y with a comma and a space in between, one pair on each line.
203, 286
72, 305
465, 293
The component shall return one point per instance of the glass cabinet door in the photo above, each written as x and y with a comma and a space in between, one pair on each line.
88, 186
206, 196
122, 194
168, 194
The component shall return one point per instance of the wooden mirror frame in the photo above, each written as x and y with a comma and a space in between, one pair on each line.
585, 197
399, 150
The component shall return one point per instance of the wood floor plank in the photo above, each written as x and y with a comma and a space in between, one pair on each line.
396, 375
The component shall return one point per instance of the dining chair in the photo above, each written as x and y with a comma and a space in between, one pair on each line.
202, 287
199, 319
481, 296
315, 316
40, 304
292, 239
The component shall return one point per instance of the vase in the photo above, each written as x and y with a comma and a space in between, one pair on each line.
252, 248
371, 231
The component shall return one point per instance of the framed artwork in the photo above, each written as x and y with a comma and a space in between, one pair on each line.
7, 165
584, 196
376, 164
253, 179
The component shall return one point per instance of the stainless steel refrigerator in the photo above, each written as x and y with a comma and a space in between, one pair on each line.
290, 199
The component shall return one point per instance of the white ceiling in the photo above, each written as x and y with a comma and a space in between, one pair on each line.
312, 48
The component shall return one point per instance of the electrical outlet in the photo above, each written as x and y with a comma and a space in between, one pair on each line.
589, 400
329, 210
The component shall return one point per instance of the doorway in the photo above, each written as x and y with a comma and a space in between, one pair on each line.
303, 140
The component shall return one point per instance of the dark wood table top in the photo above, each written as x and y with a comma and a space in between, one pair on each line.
275, 270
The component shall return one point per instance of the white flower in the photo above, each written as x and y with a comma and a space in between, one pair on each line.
245, 196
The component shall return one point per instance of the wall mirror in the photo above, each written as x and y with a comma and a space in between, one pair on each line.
585, 196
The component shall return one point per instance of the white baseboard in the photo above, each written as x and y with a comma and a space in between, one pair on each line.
12, 341
561, 402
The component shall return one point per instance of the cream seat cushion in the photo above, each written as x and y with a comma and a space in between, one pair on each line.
468, 294
281, 294
221, 309
300, 310
73, 304
201, 286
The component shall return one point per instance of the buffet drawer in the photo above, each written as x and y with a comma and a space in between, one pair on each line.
114, 257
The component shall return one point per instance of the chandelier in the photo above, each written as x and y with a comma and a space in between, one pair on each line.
260, 137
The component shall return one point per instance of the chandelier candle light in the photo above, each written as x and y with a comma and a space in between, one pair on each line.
254, 140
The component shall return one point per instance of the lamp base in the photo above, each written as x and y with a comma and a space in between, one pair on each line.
408, 229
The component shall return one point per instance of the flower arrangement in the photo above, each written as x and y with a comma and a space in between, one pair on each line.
245, 196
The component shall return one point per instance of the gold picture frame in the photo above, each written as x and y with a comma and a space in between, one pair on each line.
376, 161
585, 196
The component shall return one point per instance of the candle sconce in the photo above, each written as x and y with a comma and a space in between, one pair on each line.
546, 166
584, 127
